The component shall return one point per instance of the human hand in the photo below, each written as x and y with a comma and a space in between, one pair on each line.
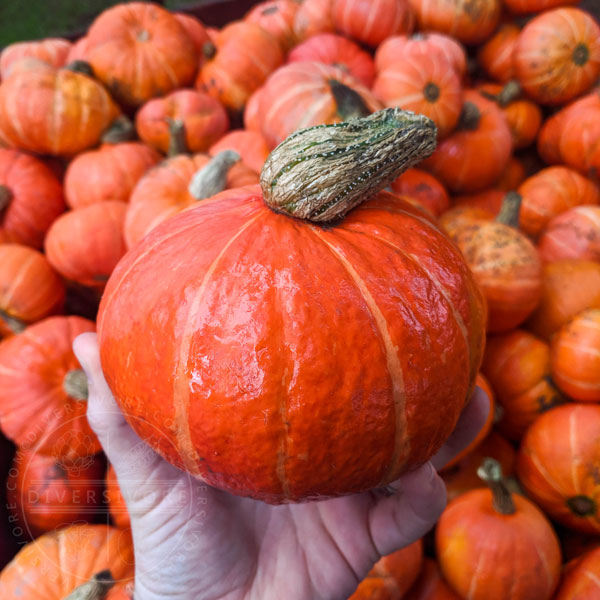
194, 542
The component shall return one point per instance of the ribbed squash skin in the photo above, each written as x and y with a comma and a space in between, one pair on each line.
267, 336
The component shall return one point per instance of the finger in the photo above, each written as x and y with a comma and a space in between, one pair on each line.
398, 520
471, 421
117, 438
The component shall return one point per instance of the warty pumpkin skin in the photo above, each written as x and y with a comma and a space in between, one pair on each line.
276, 333
31, 197
558, 465
71, 111
575, 358
68, 558
392, 575
140, 50
43, 391
30, 289
45, 493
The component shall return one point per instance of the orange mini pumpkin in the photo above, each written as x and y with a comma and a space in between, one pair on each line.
558, 465
495, 55
576, 357
430, 585
277, 17
116, 503
313, 17
518, 366
424, 188
580, 582
250, 145
53, 51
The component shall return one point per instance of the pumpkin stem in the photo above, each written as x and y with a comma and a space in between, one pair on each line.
582, 506
177, 143
212, 177
491, 472
322, 172
15, 325
120, 130
469, 117
75, 384
510, 92
5, 197
208, 50
509, 211
431, 92
581, 54
349, 102
94, 589
81, 66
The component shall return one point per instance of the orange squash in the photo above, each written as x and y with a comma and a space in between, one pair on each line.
313, 17
518, 366
277, 17
581, 580
392, 575
116, 502
575, 358
495, 55
557, 55
558, 465
250, 145
53, 51
30, 289
424, 188
579, 144
494, 544
430, 585
568, 287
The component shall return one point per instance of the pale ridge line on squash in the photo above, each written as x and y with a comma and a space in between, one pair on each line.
593, 577
394, 366
544, 561
181, 389
587, 385
574, 454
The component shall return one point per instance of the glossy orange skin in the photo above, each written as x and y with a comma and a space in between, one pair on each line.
35, 411
523, 117
37, 198
518, 366
140, 50
372, 21
430, 585
484, 554
543, 56
405, 85
67, 558
483, 383
250, 145
30, 289
299, 95
398, 47
550, 135
533, 6
196, 32
71, 111
334, 49
220, 349
85, 245
392, 575
495, 56
506, 267
549, 193
277, 17
471, 23
163, 192
53, 51
581, 581
462, 477
489, 200
572, 234
568, 287
579, 144
576, 357
514, 174
246, 55
466, 161
45, 493
107, 173
558, 461
204, 118
424, 188
313, 17
116, 502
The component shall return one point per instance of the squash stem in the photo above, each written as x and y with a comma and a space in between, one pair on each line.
212, 178
94, 589
350, 104
177, 143
75, 384
5, 197
15, 325
120, 130
509, 211
469, 117
491, 472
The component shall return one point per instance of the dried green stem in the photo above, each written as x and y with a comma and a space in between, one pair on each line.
321, 173
120, 130
509, 93
491, 472
94, 589
509, 211
81, 66
75, 384
582, 506
212, 178
5, 197
12, 323
350, 104
177, 143
469, 117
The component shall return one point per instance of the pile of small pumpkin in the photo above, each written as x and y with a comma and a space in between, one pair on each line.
103, 139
